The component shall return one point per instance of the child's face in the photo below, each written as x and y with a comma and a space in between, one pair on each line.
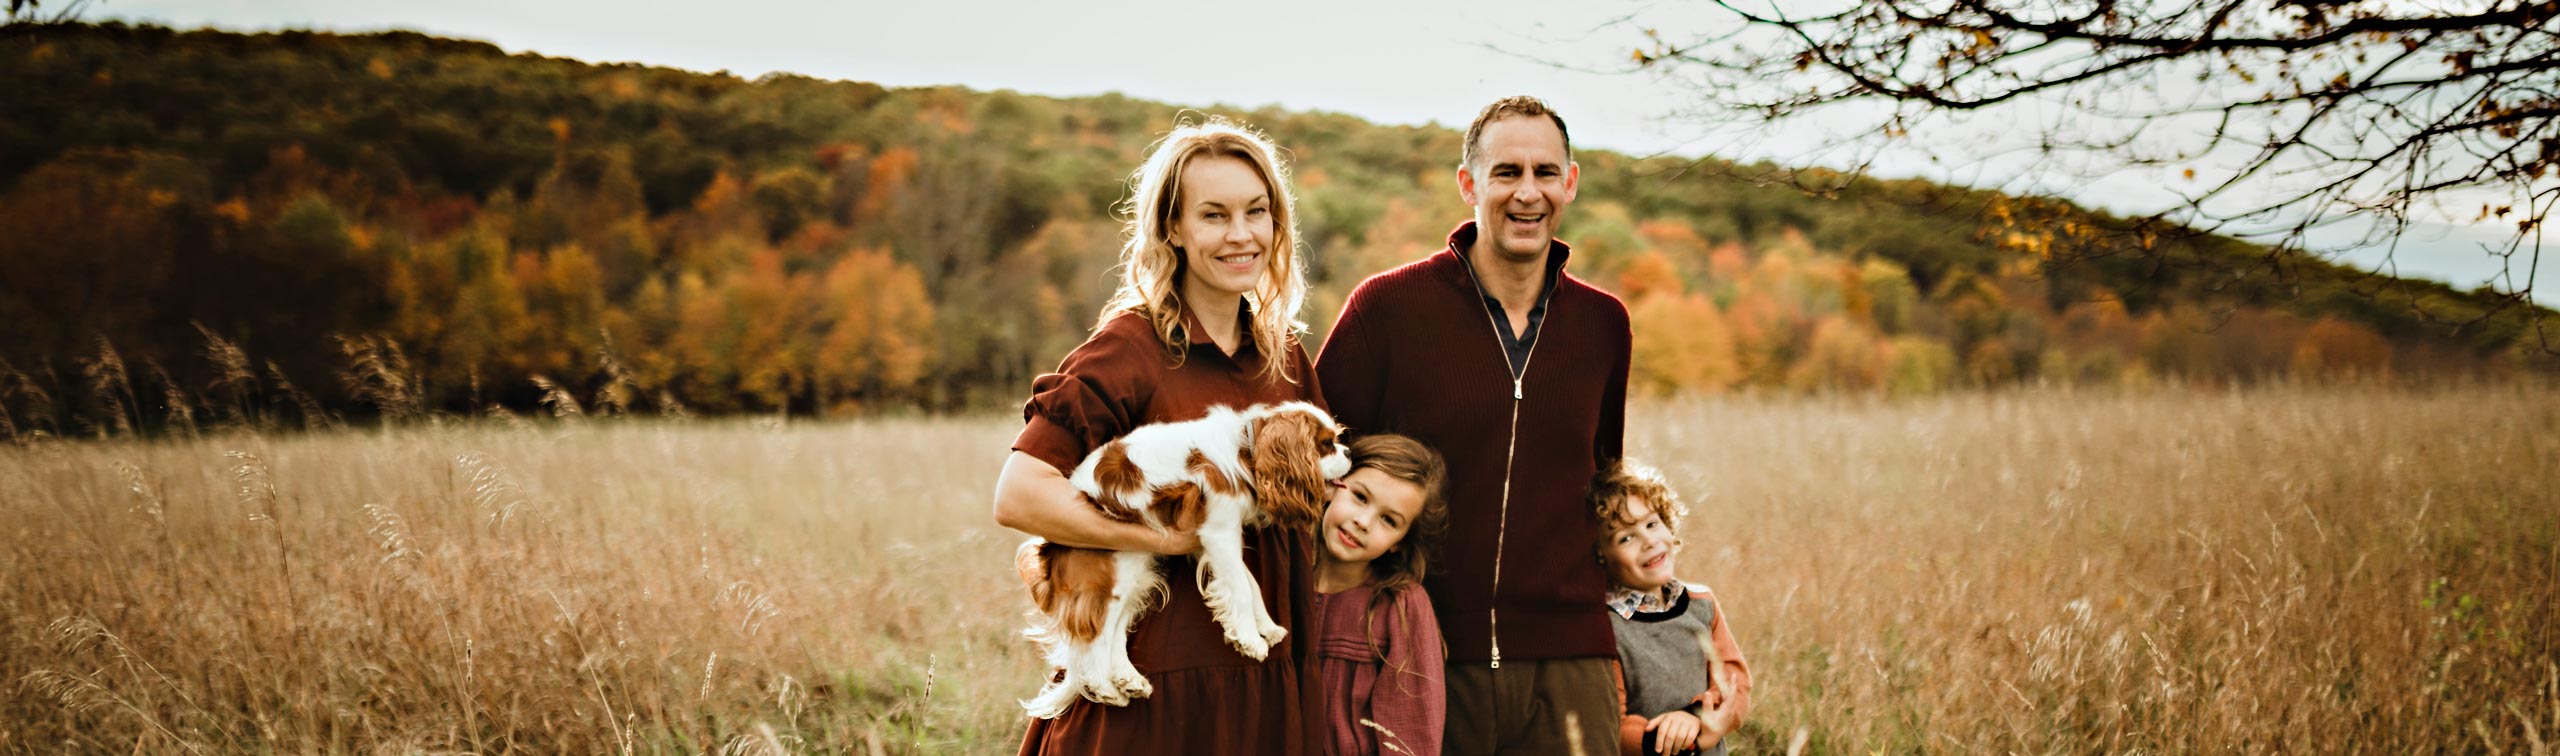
1368, 516
1638, 550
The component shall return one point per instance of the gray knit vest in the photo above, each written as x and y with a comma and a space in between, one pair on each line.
1665, 667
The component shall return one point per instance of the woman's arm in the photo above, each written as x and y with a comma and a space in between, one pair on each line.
1035, 498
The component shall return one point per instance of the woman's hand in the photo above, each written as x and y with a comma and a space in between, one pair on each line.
1035, 498
1675, 731
1178, 542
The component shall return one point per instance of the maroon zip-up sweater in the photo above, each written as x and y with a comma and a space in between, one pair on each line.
1416, 352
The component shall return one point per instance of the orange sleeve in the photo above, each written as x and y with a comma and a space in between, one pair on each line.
1630, 726
1730, 666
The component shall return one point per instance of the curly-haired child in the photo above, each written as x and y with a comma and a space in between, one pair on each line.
1685, 683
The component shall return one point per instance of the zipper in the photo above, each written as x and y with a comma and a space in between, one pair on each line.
1510, 453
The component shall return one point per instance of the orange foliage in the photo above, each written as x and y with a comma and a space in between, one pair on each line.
1993, 362
832, 155
1681, 345
1843, 355
1759, 325
2335, 347
1728, 263
1648, 274
888, 176
878, 327
1676, 240
1853, 294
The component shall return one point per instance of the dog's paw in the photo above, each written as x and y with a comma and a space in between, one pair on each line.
1124, 682
1107, 694
1133, 685
1272, 635
1051, 702
1251, 645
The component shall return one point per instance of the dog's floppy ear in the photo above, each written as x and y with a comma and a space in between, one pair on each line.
1287, 475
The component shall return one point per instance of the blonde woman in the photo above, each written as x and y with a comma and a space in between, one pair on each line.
1206, 314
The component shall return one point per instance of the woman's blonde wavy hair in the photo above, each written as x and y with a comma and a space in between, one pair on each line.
1151, 269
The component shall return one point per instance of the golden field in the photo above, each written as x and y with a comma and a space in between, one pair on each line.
2276, 570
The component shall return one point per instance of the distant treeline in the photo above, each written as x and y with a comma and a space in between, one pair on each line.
333, 224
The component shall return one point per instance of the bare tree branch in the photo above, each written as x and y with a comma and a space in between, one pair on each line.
2301, 114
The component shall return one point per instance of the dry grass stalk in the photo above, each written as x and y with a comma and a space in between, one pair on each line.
620, 387
111, 390
177, 409
563, 405
314, 417
1387, 738
41, 412
379, 374
234, 383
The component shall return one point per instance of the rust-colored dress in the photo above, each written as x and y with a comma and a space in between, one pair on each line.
1208, 698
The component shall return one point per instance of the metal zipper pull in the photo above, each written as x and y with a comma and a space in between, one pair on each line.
1515, 389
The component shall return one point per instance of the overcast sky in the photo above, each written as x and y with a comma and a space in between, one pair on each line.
1389, 61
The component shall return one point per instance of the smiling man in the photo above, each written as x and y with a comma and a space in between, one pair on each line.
1517, 373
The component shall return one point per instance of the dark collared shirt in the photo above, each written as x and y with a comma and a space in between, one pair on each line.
1517, 345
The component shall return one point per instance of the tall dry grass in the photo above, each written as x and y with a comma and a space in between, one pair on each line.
2338, 570
2335, 570
634, 586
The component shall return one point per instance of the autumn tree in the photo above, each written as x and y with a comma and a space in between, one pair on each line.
877, 331
1681, 345
2267, 119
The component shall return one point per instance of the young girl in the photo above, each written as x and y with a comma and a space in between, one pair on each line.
1680, 699
1378, 646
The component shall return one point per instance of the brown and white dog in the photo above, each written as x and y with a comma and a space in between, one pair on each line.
1266, 465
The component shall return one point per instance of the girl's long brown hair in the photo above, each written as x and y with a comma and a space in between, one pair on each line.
1403, 567
1410, 461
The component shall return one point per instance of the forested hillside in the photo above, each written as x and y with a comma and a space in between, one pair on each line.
272, 227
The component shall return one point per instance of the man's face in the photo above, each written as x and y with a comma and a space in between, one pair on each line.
1519, 185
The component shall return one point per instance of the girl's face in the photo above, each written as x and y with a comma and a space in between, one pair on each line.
1369, 515
1637, 551
1223, 226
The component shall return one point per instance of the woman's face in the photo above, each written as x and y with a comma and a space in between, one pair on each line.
1222, 226
1369, 515
1637, 551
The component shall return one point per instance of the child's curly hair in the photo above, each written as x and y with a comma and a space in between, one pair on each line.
1622, 480
1413, 462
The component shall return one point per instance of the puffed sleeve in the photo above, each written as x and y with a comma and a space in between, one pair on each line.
1099, 392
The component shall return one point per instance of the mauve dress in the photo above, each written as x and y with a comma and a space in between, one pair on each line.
1208, 698
1380, 659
